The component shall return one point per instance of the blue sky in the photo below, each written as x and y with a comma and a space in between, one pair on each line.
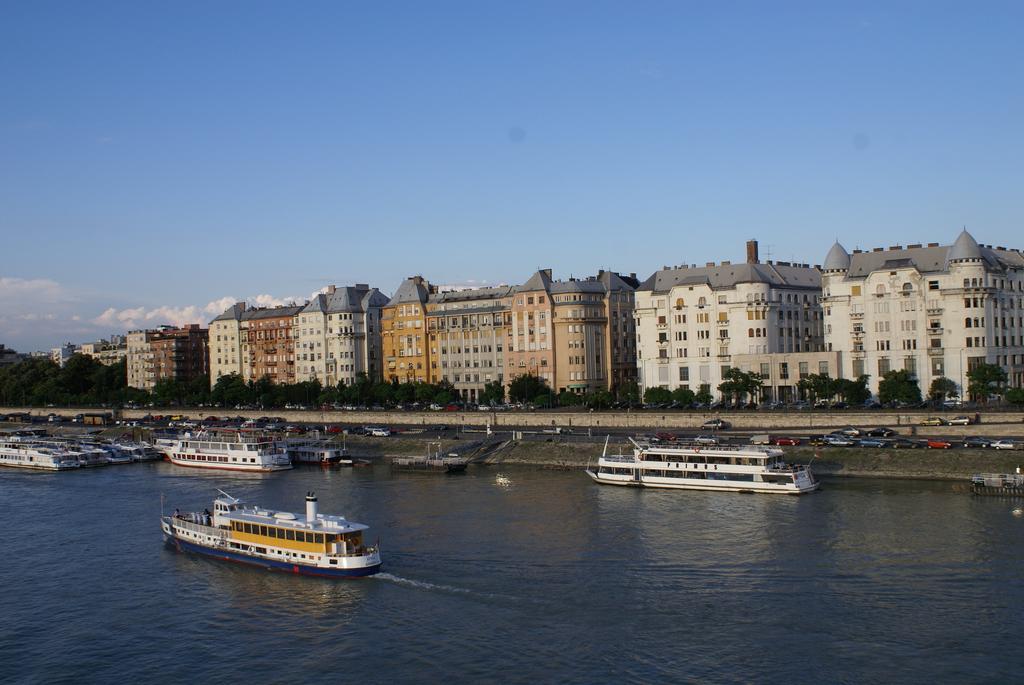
159, 159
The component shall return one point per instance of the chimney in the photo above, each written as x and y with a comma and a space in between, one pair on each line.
546, 272
330, 290
311, 507
752, 256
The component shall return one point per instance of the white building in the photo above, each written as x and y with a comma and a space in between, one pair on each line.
930, 309
60, 355
226, 343
692, 323
338, 335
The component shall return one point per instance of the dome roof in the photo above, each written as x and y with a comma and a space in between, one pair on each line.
838, 259
965, 247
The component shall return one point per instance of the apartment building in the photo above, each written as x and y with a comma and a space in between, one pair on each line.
404, 344
9, 357
467, 331
61, 355
338, 335
178, 354
934, 310
693, 323
268, 338
226, 343
575, 334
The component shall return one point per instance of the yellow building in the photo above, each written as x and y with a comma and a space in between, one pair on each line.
405, 347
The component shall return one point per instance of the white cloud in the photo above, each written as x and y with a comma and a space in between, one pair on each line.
143, 317
29, 291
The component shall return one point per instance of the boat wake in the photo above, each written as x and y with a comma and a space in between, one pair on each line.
423, 585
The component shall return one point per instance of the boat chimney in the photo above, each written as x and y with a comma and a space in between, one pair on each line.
310, 507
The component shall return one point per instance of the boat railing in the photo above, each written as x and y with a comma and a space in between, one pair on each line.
185, 524
998, 480
618, 459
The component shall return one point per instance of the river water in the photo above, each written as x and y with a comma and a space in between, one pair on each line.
515, 575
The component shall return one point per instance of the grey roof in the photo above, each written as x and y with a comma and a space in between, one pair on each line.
725, 276
474, 294
347, 299
234, 312
614, 281
934, 259
838, 259
541, 280
572, 286
271, 312
965, 247
411, 290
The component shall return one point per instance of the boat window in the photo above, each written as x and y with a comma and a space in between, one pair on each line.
290, 534
263, 530
300, 536
318, 538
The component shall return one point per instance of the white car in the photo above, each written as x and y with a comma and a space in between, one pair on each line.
1004, 445
706, 440
961, 421
380, 432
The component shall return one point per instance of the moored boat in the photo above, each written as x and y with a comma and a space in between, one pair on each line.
746, 468
230, 451
317, 452
316, 545
998, 484
33, 453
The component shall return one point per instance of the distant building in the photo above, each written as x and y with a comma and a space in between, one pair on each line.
226, 343
933, 310
694, 323
166, 353
60, 355
9, 357
107, 352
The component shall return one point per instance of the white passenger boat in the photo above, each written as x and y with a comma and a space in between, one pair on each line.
225, 451
31, 453
746, 468
317, 545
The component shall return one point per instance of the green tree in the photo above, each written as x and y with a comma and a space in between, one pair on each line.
231, 391
684, 397
493, 394
703, 395
899, 386
599, 399
657, 396
817, 386
853, 392
569, 399
941, 388
526, 387
986, 380
1015, 396
738, 384
629, 392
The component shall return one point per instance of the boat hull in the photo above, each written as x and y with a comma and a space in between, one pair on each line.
709, 485
271, 564
254, 468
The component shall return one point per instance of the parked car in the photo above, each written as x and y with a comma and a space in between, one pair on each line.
933, 421
817, 440
716, 424
977, 441
1005, 445
871, 442
379, 432
760, 439
666, 437
881, 432
780, 440
850, 432
706, 440
839, 441
334, 429
903, 444
961, 421
939, 444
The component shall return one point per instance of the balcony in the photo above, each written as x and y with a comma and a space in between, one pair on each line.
933, 311
935, 330
723, 323
856, 315
935, 351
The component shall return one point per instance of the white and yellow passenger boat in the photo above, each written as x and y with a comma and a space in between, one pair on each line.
317, 545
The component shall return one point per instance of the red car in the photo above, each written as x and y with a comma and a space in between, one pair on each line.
334, 429
666, 437
792, 442
938, 444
